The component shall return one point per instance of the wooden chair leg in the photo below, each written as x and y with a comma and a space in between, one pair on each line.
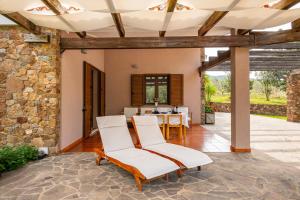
199, 168
184, 132
166, 177
179, 173
168, 132
98, 160
164, 131
138, 183
180, 132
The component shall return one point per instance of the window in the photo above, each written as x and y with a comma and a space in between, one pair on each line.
156, 87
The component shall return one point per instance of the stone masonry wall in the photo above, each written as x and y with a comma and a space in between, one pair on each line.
254, 109
293, 96
29, 89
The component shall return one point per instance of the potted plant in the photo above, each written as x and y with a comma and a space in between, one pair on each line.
209, 115
210, 90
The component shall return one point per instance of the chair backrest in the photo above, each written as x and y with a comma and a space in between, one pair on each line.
144, 110
174, 119
148, 130
130, 111
160, 119
183, 110
114, 133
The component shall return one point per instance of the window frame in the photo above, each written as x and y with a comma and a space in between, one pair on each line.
156, 90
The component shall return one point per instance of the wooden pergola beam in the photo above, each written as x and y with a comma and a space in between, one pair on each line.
58, 9
216, 61
156, 42
116, 17
23, 22
119, 24
281, 5
211, 22
260, 39
296, 24
170, 8
214, 19
275, 38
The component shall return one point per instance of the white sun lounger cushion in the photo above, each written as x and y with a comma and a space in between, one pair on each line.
149, 164
189, 157
114, 133
148, 130
149, 135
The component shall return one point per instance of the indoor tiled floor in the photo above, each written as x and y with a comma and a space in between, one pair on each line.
197, 138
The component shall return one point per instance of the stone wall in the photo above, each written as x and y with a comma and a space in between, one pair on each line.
254, 109
29, 89
293, 96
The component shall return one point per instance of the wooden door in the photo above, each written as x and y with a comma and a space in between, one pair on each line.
87, 99
176, 89
137, 89
102, 93
93, 98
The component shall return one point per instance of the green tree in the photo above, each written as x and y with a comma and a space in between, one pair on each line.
227, 82
280, 78
269, 79
210, 89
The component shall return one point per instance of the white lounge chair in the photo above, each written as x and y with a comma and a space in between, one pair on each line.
151, 139
119, 149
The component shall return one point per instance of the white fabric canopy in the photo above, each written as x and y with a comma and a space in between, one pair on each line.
119, 5
149, 20
88, 20
185, 19
50, 21
7, 6
258, 18
82, 21
223, 5
91, 15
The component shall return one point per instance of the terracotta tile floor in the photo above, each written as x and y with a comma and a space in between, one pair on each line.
197, 138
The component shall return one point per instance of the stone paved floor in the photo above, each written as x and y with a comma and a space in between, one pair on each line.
76, 176
275, 137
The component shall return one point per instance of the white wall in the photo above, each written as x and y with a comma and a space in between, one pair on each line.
72, 92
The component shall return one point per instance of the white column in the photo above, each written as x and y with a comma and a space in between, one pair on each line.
240, 103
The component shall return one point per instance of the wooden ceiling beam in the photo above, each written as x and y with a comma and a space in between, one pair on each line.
296, 24
214, 19
277, 37
116, 17
156, 42
281, 5
119, 24
211, 22
58, 9
23, 22
171, 5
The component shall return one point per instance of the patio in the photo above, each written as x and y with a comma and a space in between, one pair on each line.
64, 63
275, 137
75, 176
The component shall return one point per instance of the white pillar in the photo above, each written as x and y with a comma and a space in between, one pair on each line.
240, 103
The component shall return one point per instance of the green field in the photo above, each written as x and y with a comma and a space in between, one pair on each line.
254, 99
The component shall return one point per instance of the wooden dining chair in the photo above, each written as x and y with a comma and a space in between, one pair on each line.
174, 121
161, 122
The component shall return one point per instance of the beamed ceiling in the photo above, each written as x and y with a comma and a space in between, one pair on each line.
109, 24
